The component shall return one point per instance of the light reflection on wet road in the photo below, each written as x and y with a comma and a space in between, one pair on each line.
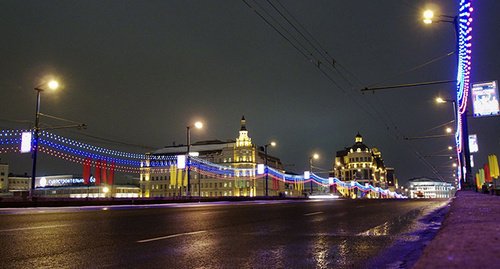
274, 234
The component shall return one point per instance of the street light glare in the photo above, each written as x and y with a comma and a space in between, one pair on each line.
198, 125
448, 130
273, 144
53, 84
315, 156
428, 16
440, 100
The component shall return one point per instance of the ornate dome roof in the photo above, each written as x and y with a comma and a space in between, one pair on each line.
359, 144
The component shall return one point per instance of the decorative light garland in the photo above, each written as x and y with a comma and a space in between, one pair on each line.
464, 31
52, 145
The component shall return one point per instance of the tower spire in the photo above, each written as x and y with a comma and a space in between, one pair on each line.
243, 124
243, 140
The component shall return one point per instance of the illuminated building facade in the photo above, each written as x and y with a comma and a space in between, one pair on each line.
4, 177
430, 188
362, 164
163, 179
67, 186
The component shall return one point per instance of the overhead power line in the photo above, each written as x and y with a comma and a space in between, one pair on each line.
329, 63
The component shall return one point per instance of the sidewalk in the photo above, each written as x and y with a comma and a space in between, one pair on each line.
469, 236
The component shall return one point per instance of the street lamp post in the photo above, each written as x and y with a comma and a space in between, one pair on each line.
53, 85
315, 156
265, 152
440, 100
462, 136
188, 159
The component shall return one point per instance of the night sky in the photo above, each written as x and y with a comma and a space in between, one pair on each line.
139, 72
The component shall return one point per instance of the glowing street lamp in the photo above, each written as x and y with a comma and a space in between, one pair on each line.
315, 156
273, 144
198, 125
428, 15
463, 30
52, 85
430, 18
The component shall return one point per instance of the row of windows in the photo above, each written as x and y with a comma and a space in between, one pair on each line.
360, 159
203, 193
197, 176
18, 181
195, 185
216, 160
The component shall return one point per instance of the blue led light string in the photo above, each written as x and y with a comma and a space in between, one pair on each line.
80, 160
74, 143
464, 31
87, 154
162, 164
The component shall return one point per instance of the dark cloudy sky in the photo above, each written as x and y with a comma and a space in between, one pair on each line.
141, 71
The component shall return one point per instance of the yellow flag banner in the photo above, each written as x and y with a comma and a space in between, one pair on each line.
185, 182
481, 176
173, 175
478, 181
179, 177
493, 164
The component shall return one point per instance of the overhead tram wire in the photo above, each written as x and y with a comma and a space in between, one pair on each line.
394, 132
329, 59
412, 69
437, 127
307, 57
332, 62
319, 66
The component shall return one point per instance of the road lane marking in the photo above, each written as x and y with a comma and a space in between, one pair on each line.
314, 213
213, 212
32, 228
169, 236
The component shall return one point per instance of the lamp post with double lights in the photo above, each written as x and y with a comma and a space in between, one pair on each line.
315, 156
273, 144
463, 36
198, 125
52, 85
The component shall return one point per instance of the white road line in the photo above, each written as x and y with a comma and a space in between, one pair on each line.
314, 213
213, 212
169, 236
33, 228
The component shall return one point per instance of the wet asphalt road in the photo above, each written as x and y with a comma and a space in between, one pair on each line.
271, 234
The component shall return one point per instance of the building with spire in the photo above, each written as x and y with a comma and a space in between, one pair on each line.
159, 179
362, 164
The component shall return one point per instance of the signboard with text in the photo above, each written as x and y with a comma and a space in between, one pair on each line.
473, 146
485, 99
